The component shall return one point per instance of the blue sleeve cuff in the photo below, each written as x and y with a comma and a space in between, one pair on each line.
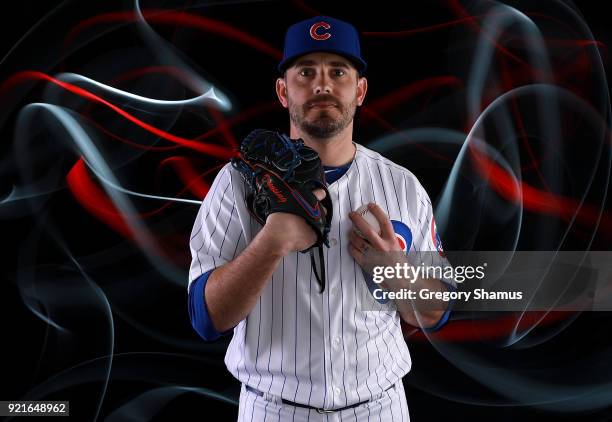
198, 312
446, 315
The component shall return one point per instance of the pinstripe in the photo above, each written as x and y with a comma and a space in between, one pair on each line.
372, 190
283, 325
246, 334
388, 163
229, 220
197, 232
342, 308
348, 194
329, 334
382, 184
270, 353
205, 203
310, 335
258, 337
297, 266
252, 407
265, 411
241, 356
216, 183
402, 404
271, 336
402, 394
399, 208
237, 244
324, 365
382, 336
390, 407
216, 219
241, 403
397, 347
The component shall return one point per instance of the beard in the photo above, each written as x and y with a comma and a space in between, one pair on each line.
322, 123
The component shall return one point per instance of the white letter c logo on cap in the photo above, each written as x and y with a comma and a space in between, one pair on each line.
315, 35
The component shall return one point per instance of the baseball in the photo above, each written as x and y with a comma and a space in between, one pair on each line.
369, 217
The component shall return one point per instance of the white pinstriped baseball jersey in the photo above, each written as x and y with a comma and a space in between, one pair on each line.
322, 350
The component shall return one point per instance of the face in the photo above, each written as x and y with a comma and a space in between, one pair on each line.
322, 92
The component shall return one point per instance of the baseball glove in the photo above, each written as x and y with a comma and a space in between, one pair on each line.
280, 175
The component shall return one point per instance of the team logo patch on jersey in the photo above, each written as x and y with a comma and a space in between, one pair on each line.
403, 235
404, 239
435, 237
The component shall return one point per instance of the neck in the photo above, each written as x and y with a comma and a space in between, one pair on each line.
335, 151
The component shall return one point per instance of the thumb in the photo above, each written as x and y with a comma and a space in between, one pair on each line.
319, 193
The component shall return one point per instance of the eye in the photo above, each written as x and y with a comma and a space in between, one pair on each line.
306, 72
338, 72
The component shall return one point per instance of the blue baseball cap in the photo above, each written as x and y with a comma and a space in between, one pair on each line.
322, 34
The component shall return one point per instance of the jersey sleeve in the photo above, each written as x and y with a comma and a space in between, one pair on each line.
217, 235
428, 245
428, 239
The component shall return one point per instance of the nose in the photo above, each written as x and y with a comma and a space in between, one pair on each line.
322, 84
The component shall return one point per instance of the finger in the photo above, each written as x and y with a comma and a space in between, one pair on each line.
367, 230
363, 226
356, 240
384, 222
356, 254
312, 235
353, 236
319, 193
358, 243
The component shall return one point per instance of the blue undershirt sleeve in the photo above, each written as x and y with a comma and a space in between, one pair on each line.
198, 312
446, 315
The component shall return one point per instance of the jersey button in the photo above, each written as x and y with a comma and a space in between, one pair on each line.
337, 391
333, 241
334, 290
336, 341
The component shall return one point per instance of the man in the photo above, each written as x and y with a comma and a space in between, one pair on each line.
298, 353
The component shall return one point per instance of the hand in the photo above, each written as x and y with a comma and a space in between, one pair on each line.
386, 241
288, 232
392, 254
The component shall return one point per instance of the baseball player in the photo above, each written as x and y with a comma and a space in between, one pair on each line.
301, 354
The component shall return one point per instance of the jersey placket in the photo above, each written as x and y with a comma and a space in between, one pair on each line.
336, 396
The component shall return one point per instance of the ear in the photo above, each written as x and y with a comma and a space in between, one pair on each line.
281, 91
362, 89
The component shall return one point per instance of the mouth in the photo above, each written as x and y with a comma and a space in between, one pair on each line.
323, 105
